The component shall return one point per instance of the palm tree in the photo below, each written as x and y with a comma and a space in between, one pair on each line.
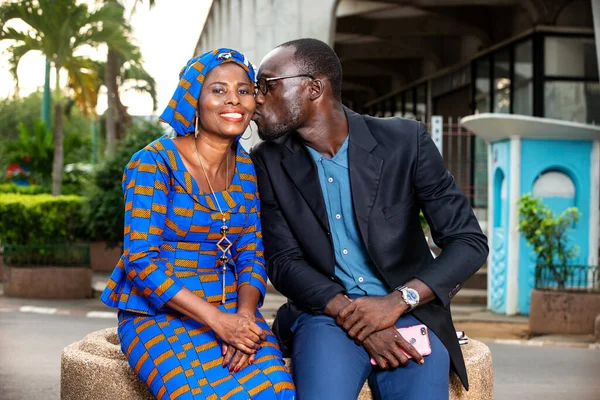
130, 76
60, 29
116, 114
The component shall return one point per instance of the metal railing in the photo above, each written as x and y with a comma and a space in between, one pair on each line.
583, 278
465, 156
54, 255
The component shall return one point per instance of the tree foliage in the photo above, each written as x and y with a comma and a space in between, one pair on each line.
548, 235
105, 207
24, 140
60, 29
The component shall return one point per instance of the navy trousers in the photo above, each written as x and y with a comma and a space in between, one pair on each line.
329, 365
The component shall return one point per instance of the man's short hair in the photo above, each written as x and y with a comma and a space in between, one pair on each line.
316, 58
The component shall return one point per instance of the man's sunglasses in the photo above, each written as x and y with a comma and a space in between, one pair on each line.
263, 83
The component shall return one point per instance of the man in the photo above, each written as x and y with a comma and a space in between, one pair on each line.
340, 198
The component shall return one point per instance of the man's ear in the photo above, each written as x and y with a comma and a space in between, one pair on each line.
316, 89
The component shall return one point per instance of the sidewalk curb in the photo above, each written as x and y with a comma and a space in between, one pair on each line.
458, 318
61, 311
542, 343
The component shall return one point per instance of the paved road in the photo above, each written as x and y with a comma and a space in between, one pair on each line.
30, 349
545, 373
31, 345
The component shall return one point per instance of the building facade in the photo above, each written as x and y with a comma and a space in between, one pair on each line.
450, 58
418, 58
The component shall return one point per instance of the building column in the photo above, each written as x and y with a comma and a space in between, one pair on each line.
248, 36
490, 226
255, 27
596, 14
203, 45
264, 25
512, 276
225, 25
234, 23
321, 24
268, 23
212, 30
594, 204
216, 20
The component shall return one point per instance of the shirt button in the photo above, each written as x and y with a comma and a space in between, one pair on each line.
345, 251
338, 216
360, 279
330, 180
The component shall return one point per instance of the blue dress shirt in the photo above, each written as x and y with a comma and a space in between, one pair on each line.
353, 266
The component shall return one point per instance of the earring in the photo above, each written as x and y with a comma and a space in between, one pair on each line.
196, 128
251, 133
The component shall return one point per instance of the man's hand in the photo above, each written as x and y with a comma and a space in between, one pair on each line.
336, 304
387, 347
366, 315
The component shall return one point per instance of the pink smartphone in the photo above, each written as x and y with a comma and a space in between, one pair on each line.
418, 336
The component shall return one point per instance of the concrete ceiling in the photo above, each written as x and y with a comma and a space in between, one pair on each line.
415, 38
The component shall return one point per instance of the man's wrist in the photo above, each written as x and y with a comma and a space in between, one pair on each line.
409, 296
334, 306
399, 305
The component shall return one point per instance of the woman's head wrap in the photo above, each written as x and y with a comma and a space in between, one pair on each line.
181, 111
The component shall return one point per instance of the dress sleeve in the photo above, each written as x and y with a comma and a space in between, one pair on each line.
250, 262
145, 186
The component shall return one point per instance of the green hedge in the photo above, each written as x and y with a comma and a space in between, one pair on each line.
40, 219
51, 255
104, 208
12, 188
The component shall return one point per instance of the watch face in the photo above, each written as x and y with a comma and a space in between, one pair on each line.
411, 296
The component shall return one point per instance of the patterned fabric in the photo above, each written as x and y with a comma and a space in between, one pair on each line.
178, 358
171, 232
181, 111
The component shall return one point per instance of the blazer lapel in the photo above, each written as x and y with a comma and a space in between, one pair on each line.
303, 172
365, 169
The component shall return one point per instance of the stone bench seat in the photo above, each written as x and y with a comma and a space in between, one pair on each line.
94, 368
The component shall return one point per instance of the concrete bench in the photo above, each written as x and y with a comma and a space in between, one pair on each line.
95, 369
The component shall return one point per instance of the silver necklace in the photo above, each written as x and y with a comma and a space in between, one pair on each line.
224, 244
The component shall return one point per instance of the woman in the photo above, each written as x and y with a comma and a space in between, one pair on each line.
192, 273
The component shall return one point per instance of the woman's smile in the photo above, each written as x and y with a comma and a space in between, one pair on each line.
232, 116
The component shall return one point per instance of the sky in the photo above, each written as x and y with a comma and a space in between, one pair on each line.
167, 35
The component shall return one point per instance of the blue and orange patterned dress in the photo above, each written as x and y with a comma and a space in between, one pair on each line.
171, 234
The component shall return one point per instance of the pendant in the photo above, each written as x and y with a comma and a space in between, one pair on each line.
223, 292
224, 244
224, 227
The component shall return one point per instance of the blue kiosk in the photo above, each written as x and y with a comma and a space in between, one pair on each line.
557, 161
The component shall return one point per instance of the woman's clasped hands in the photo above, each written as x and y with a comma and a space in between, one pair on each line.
241, 337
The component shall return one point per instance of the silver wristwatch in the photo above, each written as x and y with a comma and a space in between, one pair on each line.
410, 296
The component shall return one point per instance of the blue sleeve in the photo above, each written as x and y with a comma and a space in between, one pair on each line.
250, 262
146, 191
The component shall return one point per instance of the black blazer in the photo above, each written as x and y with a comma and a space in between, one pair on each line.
395, 171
